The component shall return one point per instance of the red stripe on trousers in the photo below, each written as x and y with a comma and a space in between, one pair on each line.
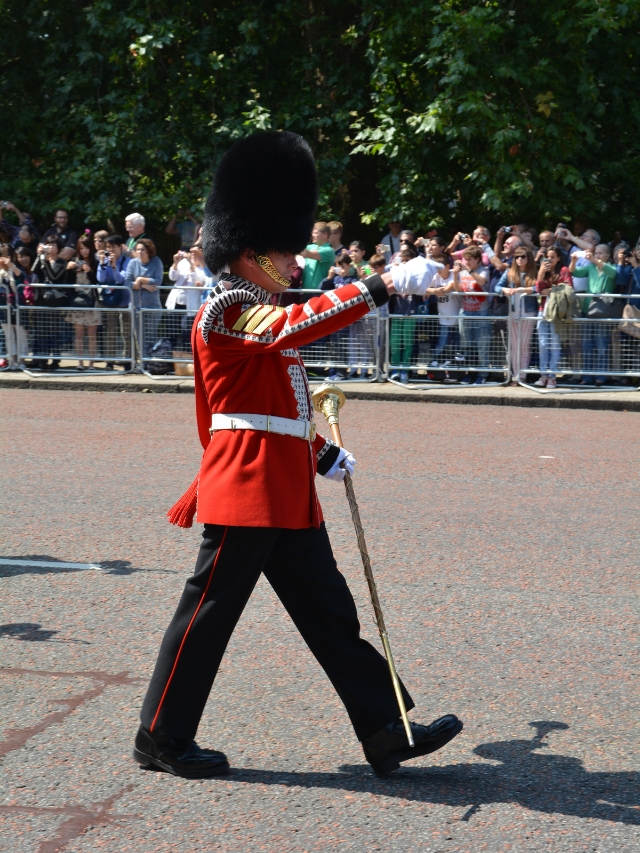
186, 633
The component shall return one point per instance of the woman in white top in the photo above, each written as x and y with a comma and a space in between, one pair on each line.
188, 273
519, 284
449, 304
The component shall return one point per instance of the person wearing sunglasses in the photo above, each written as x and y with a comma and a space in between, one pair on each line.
519, 283
551, 272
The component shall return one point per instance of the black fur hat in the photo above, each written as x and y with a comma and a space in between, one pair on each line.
263, 197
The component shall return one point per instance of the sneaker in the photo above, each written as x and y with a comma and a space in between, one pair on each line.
551, 383
4, 362
481, 380
395, 376
459, 358
434, 363
541, 383
446, 363
404, 377
466, 380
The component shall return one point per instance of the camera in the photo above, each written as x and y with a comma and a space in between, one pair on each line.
506, 229
563, 226
5, 204
79, 264
465, 236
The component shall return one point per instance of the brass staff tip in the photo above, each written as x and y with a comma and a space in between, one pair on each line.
327, 390
328, 399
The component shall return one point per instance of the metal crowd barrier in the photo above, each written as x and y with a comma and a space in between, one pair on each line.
415, 351
352, 353
8, 334
164, 342
61, 330
469, 349
586, 352
164, 336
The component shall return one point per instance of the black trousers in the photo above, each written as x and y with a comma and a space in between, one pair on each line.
300, 566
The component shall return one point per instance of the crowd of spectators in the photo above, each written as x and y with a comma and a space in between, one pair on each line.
508, 278
87, 273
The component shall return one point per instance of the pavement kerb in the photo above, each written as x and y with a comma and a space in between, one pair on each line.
388, 392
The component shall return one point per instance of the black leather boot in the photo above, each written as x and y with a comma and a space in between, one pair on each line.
385, 749
179, 756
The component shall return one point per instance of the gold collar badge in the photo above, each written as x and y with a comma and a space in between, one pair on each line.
271, 271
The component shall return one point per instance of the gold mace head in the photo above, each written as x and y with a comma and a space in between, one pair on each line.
328, 399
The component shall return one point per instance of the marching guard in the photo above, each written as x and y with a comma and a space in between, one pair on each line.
255, 492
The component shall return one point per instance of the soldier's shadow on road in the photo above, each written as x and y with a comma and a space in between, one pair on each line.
32, 632
524, 776
109, 567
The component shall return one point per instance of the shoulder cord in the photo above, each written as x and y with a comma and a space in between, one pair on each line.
220, 299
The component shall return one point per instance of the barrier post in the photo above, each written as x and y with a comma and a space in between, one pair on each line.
438, 351
164, 335
5, 323
598, 350
62, 317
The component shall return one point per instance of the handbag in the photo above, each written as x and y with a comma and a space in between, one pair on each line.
84, 300
605, 308
111, 298
630, 328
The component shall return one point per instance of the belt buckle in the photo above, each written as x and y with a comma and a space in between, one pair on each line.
312, 431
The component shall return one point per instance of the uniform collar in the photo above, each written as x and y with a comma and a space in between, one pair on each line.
236, 282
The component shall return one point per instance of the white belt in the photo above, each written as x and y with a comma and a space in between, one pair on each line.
265, 423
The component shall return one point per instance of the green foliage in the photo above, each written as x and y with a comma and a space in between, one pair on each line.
440, 110
503, 109
118, 105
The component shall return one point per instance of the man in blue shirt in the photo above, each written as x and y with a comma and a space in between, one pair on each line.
112, 265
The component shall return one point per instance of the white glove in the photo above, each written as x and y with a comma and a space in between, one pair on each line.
336, 472
415, 276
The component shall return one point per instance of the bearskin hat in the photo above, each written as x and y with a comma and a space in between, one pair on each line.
263, 197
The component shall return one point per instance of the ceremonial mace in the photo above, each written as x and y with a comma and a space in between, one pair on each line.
328, 399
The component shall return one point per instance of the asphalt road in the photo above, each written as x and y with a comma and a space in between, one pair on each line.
505, 543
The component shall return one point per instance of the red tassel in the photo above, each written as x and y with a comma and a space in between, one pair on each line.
183, 512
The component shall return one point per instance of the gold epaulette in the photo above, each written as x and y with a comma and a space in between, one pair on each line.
255, 320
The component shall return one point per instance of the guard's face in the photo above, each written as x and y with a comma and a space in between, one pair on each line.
285, 264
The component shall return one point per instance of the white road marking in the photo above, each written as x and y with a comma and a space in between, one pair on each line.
43, 564
546, 457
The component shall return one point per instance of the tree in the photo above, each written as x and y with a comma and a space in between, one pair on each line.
118, 106
504, 109
430, 111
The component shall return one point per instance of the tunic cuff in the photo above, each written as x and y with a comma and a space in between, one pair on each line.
326, 456
377, 289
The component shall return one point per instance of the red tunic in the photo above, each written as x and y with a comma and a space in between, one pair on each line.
247, 362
